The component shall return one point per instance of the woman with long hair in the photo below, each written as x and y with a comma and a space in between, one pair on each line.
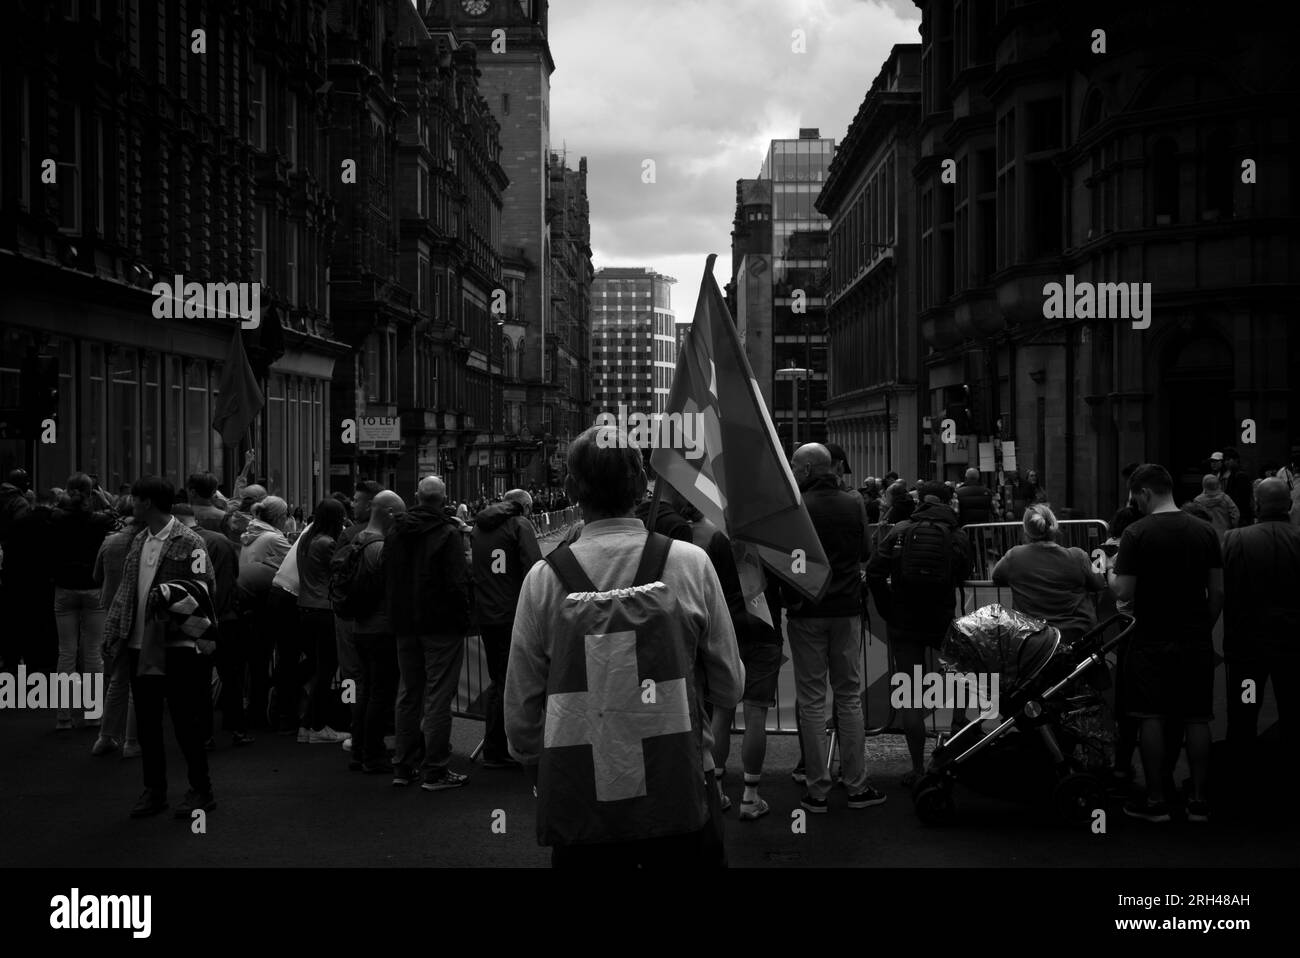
316, 619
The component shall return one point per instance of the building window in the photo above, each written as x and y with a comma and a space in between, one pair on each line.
505, 104
150, 409
291, 262
101, 199
198, 423
24, 146
123, 417
1218, 177
1006, 188
258, 132
422, 283
291, 130
1164, 181
69, 168
173, 419
259, 244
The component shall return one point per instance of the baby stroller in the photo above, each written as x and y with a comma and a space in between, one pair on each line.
1052, 742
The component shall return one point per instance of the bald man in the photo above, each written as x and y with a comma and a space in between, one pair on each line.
825, 635
504, 548
374, 644
429, 605
1261, 618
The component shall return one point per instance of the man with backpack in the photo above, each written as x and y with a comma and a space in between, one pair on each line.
504, 549
914, 577
825, 636
357, 594
620, 639
428, 594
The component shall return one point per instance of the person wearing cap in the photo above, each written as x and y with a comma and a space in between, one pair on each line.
843, 472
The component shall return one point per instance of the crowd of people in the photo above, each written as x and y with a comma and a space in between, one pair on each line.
633, 639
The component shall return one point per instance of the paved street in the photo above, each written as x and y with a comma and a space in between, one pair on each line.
281, 803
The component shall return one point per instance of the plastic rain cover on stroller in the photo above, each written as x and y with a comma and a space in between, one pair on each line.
996, 640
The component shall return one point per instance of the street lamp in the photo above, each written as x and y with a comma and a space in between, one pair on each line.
794, 374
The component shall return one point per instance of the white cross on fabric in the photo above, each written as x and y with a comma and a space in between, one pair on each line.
612, 718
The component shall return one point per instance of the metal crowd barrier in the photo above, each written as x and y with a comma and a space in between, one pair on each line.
990, 540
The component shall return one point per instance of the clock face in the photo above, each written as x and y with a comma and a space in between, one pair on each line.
475, 8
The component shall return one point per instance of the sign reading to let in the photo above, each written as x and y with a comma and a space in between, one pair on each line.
379, 432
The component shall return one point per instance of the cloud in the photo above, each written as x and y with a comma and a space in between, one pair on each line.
701, 89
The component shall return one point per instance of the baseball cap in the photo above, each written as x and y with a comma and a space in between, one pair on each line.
1216, 455
933, 488
839, 455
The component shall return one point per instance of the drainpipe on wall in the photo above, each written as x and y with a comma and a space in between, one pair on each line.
1069, 418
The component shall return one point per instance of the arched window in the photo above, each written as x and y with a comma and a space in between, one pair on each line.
507, 358
1163, 181
1217, 176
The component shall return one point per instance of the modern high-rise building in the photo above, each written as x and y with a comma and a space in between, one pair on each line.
634, 340
778, 289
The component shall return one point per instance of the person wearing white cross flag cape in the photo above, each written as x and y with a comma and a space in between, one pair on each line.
621, 640
742, 483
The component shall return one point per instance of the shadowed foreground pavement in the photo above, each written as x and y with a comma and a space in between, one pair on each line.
281, 803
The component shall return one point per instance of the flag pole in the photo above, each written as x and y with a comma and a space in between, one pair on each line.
654, 504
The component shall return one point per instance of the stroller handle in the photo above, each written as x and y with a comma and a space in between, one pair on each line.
1100, 629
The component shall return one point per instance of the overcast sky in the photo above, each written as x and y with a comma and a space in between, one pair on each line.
700, 88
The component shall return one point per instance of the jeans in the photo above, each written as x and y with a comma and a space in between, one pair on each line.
496, 647
79, 619
187, 691
316, 632
290, 674
819, 646
430, 670
118, 722
346, 649
376, 695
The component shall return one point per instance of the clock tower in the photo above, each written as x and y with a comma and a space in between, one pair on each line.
515, 66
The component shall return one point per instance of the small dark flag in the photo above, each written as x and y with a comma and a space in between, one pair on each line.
239, 397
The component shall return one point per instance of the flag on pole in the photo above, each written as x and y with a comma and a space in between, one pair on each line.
239, 397
741, 482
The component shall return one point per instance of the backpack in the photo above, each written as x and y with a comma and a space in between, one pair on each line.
355, 593
924, 564
621, 760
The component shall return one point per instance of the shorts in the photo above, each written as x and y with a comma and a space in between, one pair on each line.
1169, 682
761, 654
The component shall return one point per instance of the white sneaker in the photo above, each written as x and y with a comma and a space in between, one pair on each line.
347, 744
390, 742
326, 736
304, 735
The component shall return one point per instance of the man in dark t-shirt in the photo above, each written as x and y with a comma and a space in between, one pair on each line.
1170, 567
